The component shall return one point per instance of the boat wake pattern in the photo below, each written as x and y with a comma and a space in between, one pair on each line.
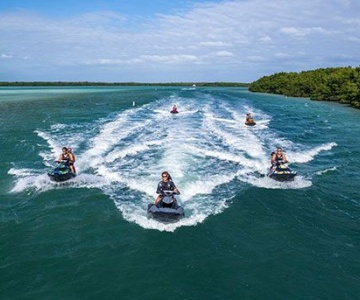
211, 155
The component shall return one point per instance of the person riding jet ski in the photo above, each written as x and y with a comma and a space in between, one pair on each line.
166, 209
279, 169
278, 158
166, 184
65, 168
249, 120
174, 110
68, 157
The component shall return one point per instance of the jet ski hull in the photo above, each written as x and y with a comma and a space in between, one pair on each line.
61, 173
165, 214
61, 177
283, 176
282, 173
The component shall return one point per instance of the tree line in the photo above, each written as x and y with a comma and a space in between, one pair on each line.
341, 84
89, 83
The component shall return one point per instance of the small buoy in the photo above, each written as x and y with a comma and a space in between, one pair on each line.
133, 103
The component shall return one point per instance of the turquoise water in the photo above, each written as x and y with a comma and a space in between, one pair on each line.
244, 236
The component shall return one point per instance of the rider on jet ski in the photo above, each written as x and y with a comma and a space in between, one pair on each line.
69, 157
166, 184
278, 158
174, 109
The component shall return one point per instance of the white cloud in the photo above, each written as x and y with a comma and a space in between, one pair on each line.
354, 39
214, 44
283, 55
302, 31
5, 56
223, 54
168, 59
266, 39
256, 58
105, 61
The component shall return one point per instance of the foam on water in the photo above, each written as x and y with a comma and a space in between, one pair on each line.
321, 172
209, 152
307, 155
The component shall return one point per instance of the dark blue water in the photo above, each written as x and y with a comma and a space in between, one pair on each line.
244, 235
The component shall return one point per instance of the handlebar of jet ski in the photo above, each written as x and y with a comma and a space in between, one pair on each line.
63, 161
169, 193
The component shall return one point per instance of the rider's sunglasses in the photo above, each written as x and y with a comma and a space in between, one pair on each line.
164, 176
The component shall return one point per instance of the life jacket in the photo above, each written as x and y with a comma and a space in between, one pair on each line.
279, 158
163, 186
65, 156
169, 185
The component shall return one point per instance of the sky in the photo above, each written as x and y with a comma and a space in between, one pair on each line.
174, 40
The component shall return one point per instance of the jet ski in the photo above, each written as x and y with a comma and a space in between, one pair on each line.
282, 173
250, 121
167, 209
62, 172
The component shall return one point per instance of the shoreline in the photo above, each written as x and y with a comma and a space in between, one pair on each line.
89, 83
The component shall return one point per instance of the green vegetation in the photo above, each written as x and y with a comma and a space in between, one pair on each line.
330, 84
89, 83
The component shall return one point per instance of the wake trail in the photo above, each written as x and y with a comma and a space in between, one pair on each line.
209, 152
